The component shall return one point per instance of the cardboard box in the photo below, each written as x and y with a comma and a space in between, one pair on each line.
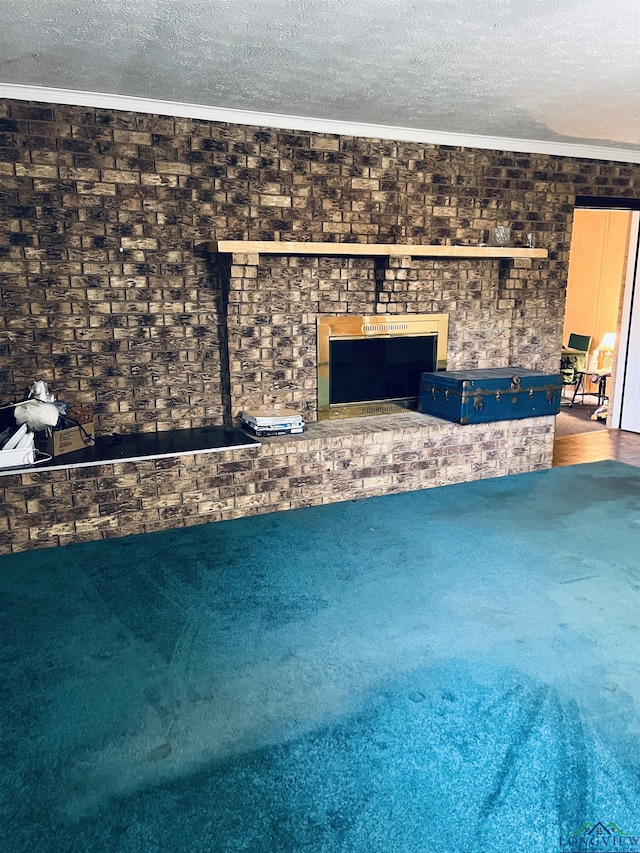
68, 440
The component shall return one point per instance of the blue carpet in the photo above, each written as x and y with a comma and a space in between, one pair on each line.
455, 670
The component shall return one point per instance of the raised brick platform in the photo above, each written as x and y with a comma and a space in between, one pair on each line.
333, 461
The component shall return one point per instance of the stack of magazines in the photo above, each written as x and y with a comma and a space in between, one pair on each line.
267, 422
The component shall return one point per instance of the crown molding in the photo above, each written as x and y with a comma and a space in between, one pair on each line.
153, 106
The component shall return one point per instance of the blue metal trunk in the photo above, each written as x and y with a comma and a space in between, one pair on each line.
489, 394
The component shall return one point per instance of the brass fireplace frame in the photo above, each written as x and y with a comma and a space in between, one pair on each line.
354, 327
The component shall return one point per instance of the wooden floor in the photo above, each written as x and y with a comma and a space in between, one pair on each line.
596, 446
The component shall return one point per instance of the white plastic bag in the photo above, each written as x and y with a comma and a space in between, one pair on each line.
36, 414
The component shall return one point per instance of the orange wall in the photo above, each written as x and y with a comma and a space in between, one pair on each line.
596, 269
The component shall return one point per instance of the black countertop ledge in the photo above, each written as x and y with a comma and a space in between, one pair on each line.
140, 446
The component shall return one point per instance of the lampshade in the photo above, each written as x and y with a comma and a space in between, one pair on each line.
608, 342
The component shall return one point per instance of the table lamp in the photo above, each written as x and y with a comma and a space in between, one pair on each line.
605, 350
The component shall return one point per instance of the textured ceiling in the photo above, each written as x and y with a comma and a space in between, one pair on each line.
555, 70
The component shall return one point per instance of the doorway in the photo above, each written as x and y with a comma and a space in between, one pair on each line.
626, 403
597, 289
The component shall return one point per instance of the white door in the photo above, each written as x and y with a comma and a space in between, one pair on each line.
626, 403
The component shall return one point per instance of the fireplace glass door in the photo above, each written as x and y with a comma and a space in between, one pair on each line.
379, 368
372, 364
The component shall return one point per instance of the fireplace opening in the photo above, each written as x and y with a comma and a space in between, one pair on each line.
372, 364
378, 368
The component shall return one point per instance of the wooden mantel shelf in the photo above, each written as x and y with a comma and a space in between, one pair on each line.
370, 249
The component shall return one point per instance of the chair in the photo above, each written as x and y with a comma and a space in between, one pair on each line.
573, 362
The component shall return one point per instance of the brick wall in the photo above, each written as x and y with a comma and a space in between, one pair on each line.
108, 295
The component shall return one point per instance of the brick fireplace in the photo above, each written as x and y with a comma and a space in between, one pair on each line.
111, 295
270, 305
276, 300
